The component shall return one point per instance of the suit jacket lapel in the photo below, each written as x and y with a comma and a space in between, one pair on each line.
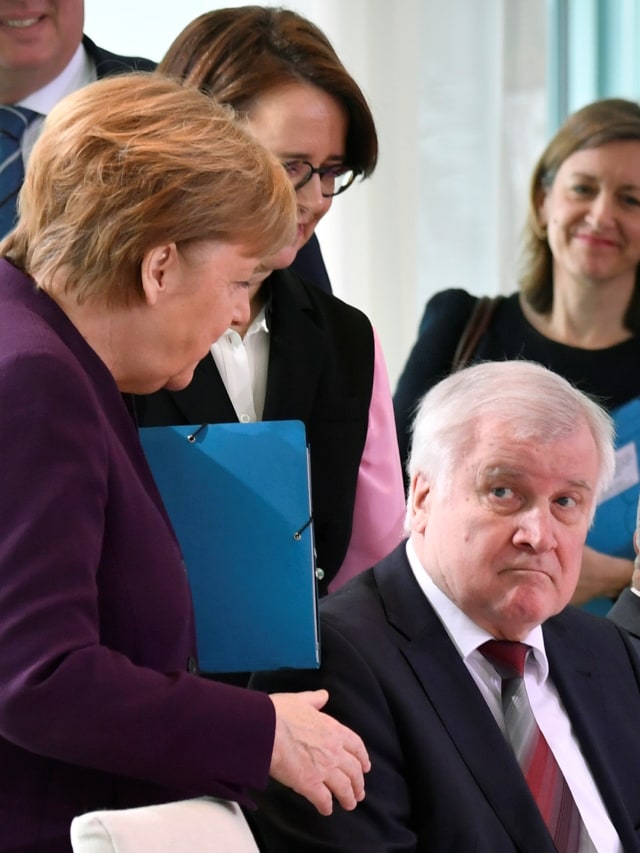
462, 711
107, 63
572, 673
297, 349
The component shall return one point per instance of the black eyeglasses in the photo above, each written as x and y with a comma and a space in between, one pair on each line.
333, 179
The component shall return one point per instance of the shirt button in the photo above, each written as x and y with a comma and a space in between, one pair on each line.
192, 665
245, 419
320, 574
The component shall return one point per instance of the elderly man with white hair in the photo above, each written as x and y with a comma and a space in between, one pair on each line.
497, 718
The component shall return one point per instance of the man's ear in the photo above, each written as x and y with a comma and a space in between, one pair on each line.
157, 264
419, 493
636, 542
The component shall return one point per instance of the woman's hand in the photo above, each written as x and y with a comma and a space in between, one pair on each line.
316, 755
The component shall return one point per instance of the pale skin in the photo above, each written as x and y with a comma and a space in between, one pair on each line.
315, 755
190, 297
37, 41
592, 216
503, 538
297, 121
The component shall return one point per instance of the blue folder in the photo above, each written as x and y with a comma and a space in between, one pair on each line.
239, 499
615, 519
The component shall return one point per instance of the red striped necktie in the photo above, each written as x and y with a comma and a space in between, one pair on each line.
540, 768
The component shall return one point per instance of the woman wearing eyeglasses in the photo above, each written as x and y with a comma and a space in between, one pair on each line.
303, 354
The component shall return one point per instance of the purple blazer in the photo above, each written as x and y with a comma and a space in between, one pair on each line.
99, 704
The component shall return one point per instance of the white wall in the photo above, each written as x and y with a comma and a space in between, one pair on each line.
458, 92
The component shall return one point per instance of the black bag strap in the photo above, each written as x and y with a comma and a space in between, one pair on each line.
477, 325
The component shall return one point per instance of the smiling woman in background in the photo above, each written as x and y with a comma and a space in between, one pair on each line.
302, 354
577, 311
138, 231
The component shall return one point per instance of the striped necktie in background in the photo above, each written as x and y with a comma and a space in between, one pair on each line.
543, 775
13, 123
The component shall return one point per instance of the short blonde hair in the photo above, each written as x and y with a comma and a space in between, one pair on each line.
132, 162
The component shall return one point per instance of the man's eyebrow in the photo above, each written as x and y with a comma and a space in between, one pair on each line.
493, 471
580, 484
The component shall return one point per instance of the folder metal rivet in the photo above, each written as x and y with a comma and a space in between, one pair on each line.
192, 437
298, 534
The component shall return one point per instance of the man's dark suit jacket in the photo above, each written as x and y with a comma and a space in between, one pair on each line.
443, 777
108, 64
321, 361
626, 615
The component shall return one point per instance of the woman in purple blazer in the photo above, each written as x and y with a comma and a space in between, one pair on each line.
139, 228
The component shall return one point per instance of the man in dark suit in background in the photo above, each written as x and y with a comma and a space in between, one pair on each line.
43, 57
626, 611
507, 465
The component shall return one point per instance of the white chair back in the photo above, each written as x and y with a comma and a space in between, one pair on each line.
189, 826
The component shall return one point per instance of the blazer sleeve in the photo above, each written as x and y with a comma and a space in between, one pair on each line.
379, 507
429, 361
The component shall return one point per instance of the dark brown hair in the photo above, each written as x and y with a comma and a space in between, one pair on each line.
237, 55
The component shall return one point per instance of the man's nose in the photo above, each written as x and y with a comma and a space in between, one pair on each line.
535, 530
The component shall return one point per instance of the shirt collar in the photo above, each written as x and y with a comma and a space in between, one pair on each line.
79, 72
463, 632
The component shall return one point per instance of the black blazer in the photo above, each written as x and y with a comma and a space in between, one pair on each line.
443, 777
320, 372
108, 63
309, 264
